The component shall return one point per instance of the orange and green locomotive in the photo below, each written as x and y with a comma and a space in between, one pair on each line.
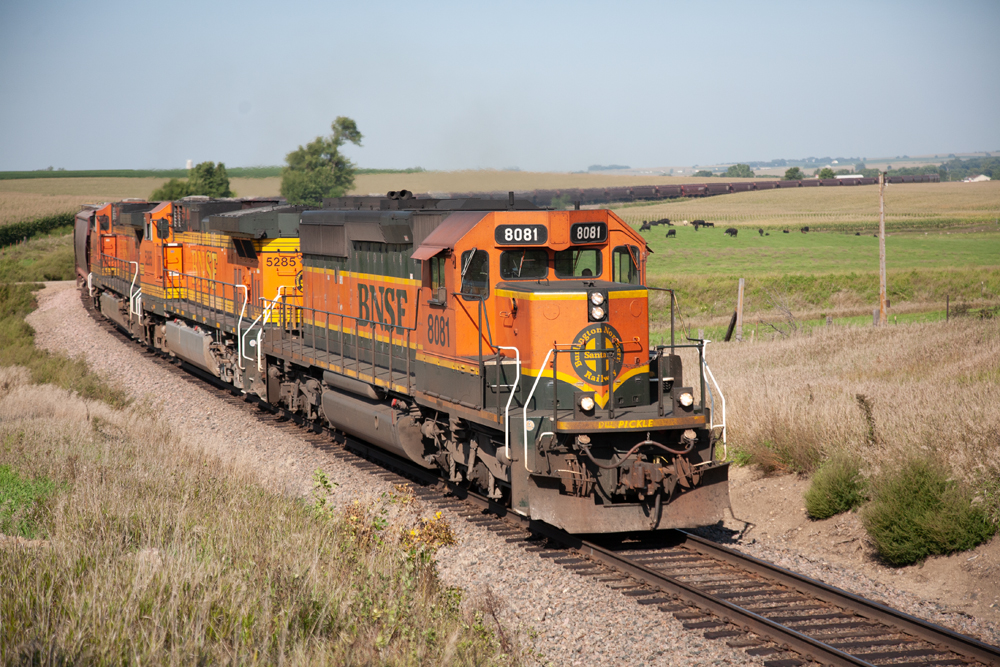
507, 347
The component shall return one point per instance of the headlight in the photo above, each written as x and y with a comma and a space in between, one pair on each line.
597, 298
686, 399
586, 403
597, 313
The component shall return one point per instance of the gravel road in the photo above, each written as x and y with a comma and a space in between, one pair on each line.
562, 617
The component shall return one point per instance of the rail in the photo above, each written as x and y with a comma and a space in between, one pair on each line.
291, 329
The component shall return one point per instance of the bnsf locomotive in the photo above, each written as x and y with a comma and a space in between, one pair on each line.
503, 345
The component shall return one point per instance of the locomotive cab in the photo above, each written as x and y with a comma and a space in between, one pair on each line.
542, 318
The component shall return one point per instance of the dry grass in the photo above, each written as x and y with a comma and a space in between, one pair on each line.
880, 394
946, 203
157, 552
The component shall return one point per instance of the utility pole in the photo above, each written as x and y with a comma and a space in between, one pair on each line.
883, 316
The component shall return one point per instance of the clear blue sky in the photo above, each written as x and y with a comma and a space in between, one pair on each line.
540, 86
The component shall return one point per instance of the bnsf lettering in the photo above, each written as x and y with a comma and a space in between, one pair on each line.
378, 303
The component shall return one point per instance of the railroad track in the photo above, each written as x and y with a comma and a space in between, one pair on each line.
783, 617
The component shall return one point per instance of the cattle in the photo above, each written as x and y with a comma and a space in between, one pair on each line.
698, 223
767, 233
671, 233
645, 226
665, 221
732, 231
857, 233
760, 231
708, 224
804, 230
784, 231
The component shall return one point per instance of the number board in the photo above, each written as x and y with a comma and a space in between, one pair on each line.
521, 235
588, 232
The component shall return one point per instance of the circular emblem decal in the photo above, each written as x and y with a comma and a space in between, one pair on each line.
592, 365
298, 281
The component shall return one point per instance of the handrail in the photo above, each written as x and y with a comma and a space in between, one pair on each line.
239, 328
506, 410
90, 284
131, 295
527, 401
266, 314
712, 424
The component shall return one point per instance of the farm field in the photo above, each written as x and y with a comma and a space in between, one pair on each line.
711, 251
29, 199
853, 207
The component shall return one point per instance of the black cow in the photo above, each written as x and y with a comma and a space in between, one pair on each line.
645, 226
767, 233
857, 233
671, 233
732, 231
698, 223
665, 221
784, 231
804, 230
708, 224
760, 231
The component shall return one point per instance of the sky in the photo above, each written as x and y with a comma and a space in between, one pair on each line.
541, 86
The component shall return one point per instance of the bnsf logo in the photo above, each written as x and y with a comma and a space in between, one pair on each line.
382, 304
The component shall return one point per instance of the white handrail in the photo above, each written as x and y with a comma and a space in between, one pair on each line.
712, 424
506, 410
131, 296
260, 334
90, 284
239, 328
527, 400
262, 316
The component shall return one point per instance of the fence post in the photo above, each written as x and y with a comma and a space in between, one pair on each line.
739, 313
947, 307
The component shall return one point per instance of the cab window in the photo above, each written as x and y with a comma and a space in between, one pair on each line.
524, 264
624, 268
475, 274
436, 265
578, 263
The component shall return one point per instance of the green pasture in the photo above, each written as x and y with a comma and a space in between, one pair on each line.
711, 252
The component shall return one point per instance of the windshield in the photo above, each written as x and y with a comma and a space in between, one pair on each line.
524, 264
578, 263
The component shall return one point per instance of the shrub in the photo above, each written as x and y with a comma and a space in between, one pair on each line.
836, 487
918, 512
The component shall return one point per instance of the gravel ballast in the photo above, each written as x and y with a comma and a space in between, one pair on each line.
564, 618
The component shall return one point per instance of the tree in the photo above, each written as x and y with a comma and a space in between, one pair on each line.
703, 173
826, 172
319, 169
794, 174
209, 179
205, 179
739, 171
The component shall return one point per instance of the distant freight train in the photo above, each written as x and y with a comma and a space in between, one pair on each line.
504, 345
592, 196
